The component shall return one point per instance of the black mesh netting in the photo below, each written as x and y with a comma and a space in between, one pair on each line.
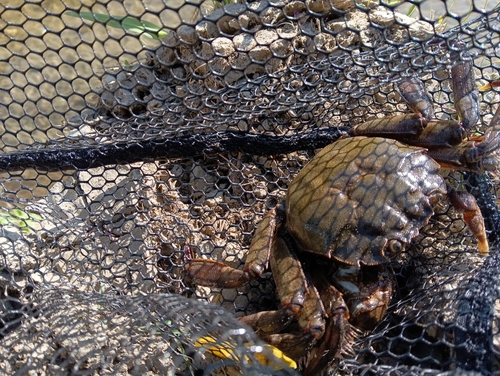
137, 135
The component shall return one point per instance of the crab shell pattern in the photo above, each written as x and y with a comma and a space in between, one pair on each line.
361, 199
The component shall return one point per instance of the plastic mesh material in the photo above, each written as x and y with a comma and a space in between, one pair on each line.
136, 135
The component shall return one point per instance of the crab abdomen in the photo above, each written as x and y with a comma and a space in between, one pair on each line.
361, 199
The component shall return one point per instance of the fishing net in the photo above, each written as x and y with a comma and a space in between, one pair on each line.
138, 135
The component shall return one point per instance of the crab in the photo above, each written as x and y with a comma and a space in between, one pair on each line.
350, 211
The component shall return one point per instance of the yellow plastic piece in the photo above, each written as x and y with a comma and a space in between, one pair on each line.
225, 350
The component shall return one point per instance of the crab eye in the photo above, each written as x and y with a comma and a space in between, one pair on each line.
394, 247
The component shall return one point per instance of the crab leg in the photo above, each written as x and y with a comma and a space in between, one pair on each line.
392, 127
413, 92
465, 203
466, 96
488, 146
295, 293
299, 298
339, 334
268, 321
293, 345
476, 156
437, 134
320, 309
367, 292
485, 155
217, 274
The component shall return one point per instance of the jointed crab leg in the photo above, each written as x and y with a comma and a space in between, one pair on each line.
295, 292
393, 127
413, 92
477, 156
268, 321
217, 274
291, 281
435, 135
490, 85
438, 134
339, 334
466, 203
488, 147
466, 95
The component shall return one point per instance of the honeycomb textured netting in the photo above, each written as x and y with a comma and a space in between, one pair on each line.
137, 136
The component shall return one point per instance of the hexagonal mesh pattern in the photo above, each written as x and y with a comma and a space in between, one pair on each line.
137, 136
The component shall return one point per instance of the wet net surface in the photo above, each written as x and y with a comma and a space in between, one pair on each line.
136, 135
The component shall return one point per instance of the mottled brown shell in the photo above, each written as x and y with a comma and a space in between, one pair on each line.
361, 199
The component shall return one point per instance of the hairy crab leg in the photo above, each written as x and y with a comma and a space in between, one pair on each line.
312, 317
465, 203
217, 274
322, 300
